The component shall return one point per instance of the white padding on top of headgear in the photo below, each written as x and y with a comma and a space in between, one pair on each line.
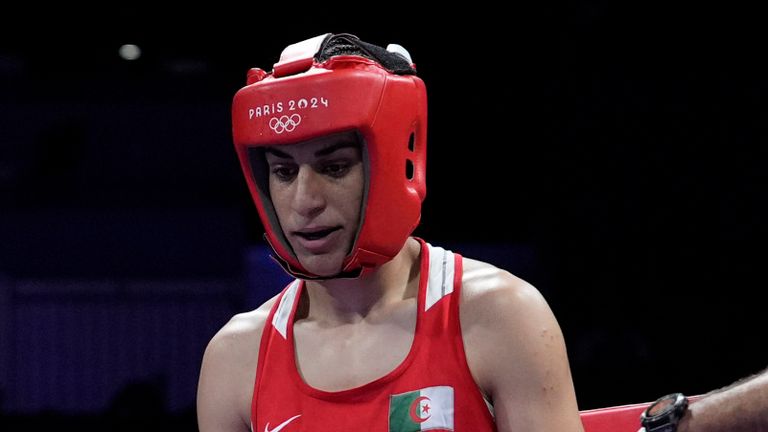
398, 49
301, 50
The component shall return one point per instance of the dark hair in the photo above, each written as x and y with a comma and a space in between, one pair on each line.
348, 44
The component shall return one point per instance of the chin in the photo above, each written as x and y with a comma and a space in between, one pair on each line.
323, 265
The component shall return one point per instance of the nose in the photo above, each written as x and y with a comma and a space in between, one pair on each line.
308, 199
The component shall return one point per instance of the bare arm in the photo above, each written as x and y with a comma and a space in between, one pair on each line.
740, 407
228, 373
517, 354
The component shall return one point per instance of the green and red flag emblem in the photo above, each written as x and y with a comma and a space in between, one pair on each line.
430, 409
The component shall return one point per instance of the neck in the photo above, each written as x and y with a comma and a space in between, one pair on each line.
352, 300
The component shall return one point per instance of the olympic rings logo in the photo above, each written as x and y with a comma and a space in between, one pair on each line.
284, 123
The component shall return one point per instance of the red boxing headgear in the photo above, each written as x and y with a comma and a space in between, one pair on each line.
333, 84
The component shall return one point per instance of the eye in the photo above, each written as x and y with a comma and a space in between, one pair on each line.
284, 173
336, 169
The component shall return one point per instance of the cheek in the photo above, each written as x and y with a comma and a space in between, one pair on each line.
354, 195
279, 198
351, 205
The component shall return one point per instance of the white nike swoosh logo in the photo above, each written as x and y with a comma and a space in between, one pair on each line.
281, 425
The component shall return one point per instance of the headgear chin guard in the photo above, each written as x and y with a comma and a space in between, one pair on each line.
334, 84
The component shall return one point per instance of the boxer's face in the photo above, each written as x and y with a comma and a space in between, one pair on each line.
316, 188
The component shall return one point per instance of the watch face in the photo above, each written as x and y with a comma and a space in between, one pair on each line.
665, 413
661, 406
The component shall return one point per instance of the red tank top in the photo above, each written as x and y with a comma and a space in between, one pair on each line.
432, 389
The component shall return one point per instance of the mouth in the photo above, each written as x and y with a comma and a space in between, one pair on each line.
318, 240
316, 234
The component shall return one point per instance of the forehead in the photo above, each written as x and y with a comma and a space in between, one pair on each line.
316, 147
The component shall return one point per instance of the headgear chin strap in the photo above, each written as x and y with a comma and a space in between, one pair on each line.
334, 84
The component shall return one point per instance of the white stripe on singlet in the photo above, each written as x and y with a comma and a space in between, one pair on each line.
283, 312
441, 271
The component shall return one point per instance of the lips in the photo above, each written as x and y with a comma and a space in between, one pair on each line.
315, 234
317, 240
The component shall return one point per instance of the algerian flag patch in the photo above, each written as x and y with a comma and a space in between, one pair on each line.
430, 409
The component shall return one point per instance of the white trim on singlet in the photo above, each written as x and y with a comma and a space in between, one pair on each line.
441, 272
440, 284
283, 312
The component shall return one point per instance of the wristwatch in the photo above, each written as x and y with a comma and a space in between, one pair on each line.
664, 414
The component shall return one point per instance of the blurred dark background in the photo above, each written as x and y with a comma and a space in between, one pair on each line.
613, 156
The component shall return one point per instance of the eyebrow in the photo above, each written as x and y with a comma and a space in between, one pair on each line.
322, 152
338, 146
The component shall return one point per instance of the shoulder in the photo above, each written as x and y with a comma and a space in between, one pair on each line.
228, 371
486, 288
240, 328
239, 339
501, 315
515, 351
